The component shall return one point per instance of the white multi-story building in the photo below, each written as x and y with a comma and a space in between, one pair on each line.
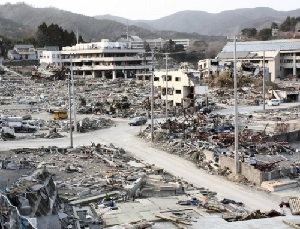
100, 59
282, 57
51, 57
182, 88
137, 42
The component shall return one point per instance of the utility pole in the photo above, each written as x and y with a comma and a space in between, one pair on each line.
236, 127
263, 78
70, 113
167, 86
73, 99
152, 98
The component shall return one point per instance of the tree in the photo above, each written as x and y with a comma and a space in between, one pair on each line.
265, 34
169, 46
147, 47
249, 32
289, 24
54, 35
80, 39
274, 25
41, 35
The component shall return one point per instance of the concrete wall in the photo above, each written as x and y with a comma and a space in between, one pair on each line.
226, 162
287, 137
252, 174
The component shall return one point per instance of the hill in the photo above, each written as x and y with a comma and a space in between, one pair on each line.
14, 30
225, 23
90, 28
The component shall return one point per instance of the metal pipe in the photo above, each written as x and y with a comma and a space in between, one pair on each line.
263, 78
236, 127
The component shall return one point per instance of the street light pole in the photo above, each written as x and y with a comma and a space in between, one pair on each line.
236, 127
264, 105
152, 98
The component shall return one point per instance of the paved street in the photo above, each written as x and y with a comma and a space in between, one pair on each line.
124, 136
251, 109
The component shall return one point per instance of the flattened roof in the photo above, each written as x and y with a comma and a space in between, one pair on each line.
273, 45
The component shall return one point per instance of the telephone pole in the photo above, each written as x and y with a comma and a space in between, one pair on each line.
167, 56
152, 98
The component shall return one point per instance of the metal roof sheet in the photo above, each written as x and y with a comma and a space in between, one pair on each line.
239, 55
272, 45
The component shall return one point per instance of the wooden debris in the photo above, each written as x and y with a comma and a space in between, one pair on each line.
291, 224
175, 221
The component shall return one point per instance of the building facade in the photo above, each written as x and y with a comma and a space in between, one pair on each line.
138, 43
100, 59
179, 88
282, 57
22, 52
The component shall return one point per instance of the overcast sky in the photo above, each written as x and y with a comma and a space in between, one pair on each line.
154, 9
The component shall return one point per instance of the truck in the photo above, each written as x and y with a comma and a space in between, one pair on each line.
60, 114
19, 125
137, 121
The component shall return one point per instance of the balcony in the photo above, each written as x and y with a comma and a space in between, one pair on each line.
109, 67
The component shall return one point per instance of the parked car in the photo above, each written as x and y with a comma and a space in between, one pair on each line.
137, 121
274, 102
205, 110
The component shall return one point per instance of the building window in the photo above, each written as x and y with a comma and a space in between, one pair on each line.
169, 78
178, 79
178, 92
156, 78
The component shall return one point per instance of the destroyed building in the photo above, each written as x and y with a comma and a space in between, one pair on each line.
104, 59
281, 57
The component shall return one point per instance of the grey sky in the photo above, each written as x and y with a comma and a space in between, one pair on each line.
154, 9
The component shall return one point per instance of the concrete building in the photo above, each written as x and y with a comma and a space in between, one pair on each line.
282, 58
182, 87
138, 43
39, 51
100, 59
51, 57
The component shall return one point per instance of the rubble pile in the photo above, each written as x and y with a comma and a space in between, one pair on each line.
100, 178
88, 124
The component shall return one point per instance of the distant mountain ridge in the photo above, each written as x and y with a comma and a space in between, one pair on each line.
21, 20
90, 28
229, 22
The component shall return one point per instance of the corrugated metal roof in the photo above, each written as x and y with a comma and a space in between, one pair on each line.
239, 55
273, 45
136, 38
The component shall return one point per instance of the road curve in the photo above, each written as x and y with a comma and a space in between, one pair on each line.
124, 136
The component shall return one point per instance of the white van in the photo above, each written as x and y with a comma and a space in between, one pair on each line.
274, 102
